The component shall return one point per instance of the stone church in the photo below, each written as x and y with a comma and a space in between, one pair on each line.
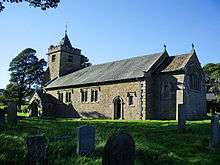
154, 86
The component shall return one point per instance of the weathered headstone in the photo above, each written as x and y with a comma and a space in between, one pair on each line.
12, 113
85, 140
34, 109
36, 150
215, 131
2, 116
119, 150
181, 119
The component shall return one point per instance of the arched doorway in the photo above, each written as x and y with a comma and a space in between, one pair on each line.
118, 108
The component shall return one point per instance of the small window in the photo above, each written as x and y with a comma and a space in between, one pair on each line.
53, 58
60, 97
131, 96
131, 100
70, 58
84, 95
68, 97
94, 95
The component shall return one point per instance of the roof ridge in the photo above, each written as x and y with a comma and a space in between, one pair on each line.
128, 58
183, 54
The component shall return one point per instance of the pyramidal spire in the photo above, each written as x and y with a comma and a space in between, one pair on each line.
65, 40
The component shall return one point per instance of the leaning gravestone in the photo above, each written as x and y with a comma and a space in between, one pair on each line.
36, 150
215, 131
2, 117
181, 119
12, 113
119, 150
85, 140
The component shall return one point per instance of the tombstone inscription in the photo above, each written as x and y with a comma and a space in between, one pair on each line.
85, 140
119, 150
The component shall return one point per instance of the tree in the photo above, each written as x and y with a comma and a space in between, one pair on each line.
212, 77
212, 72
27, 73
43, 4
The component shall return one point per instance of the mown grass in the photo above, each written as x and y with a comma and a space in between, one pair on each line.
157, 142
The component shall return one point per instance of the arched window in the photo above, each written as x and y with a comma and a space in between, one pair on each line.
195, 82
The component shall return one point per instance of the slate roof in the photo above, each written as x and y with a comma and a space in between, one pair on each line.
45, 97
111, 71
178, 62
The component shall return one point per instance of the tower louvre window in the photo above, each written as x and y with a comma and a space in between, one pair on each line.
53, 58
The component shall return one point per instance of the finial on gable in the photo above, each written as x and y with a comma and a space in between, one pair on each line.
165, 47
66, 29
193, 47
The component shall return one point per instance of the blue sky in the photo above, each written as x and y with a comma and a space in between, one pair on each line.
112, 29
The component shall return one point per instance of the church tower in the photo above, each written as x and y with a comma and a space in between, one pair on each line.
64, 59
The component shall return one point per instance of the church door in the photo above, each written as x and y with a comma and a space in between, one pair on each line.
118, 108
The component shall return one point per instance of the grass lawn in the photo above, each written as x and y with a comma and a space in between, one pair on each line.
157, 142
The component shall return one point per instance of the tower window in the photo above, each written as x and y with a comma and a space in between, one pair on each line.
53, 58
70, 58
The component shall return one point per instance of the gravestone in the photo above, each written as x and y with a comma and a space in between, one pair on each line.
119, 150
12, 113
2, 116
215, 131
85, 140
34, 109
181, 118
36, 150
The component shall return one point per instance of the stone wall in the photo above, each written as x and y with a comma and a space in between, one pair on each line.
54, 67
195, 99
104, 107
61, 65
168, 93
